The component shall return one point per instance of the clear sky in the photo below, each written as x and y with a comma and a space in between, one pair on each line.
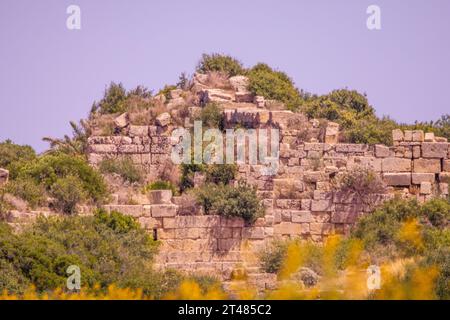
50, 75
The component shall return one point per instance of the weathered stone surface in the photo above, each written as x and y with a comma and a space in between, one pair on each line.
163, 119
344, 147
253, 233
382, 151
397, 179
446, 166
138, 131
434, 149
163, 210
321, 228
429, 137
301, 216
395, 165
288, 228
425, 188
332, 133
103, 148
418, 178
443, 188
444, 177
130, 210
418, 135
160, 196
321, 205
121, 121
239, 83
259, 101
408, 135
427, 165
397, 135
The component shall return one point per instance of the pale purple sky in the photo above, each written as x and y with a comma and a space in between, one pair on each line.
50, 75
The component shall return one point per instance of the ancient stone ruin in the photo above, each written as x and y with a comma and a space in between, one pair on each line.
300, 201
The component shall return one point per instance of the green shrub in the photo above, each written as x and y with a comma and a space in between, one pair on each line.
220, 63
220, 173
11, 154
123, 167
68, 192
108, 248
166, 90
381, 226
28, 190
187, 175
275, 85
437, 211
362, 182
229, 201
46, 170
113, 100
273, 256
160, 185
212, 116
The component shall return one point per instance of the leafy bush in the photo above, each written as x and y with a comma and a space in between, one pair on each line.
107, 247
437, 211
273, 257
68, 192
187, 175
276, 85
166, 90
113, 99
212, 116
220, 63
229, 201
123, 167
46, 170
362, 182
28, 190
220, 173
11, 154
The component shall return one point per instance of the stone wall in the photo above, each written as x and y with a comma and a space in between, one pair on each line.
299, 200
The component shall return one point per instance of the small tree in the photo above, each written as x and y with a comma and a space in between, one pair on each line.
220, 63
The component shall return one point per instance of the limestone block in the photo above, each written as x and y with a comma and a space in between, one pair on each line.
127, 148
321, 228
253, 233
418, 178
244, 96
349, 148
344, 216
397, 179
332, 133
444, 177
429, 137
416, 152
138, 131
215, 95
163, 119
305, 204
443, 188
418, 135
315, 176
425, 188
103, 148
239, 83
160, 196
260, 101
321, 205
382, 151
395, 165
397, 135
163, 210
427, 165
301, 216
408, 135
288, 228
129, 210
434, 149
446, 166
121, 121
